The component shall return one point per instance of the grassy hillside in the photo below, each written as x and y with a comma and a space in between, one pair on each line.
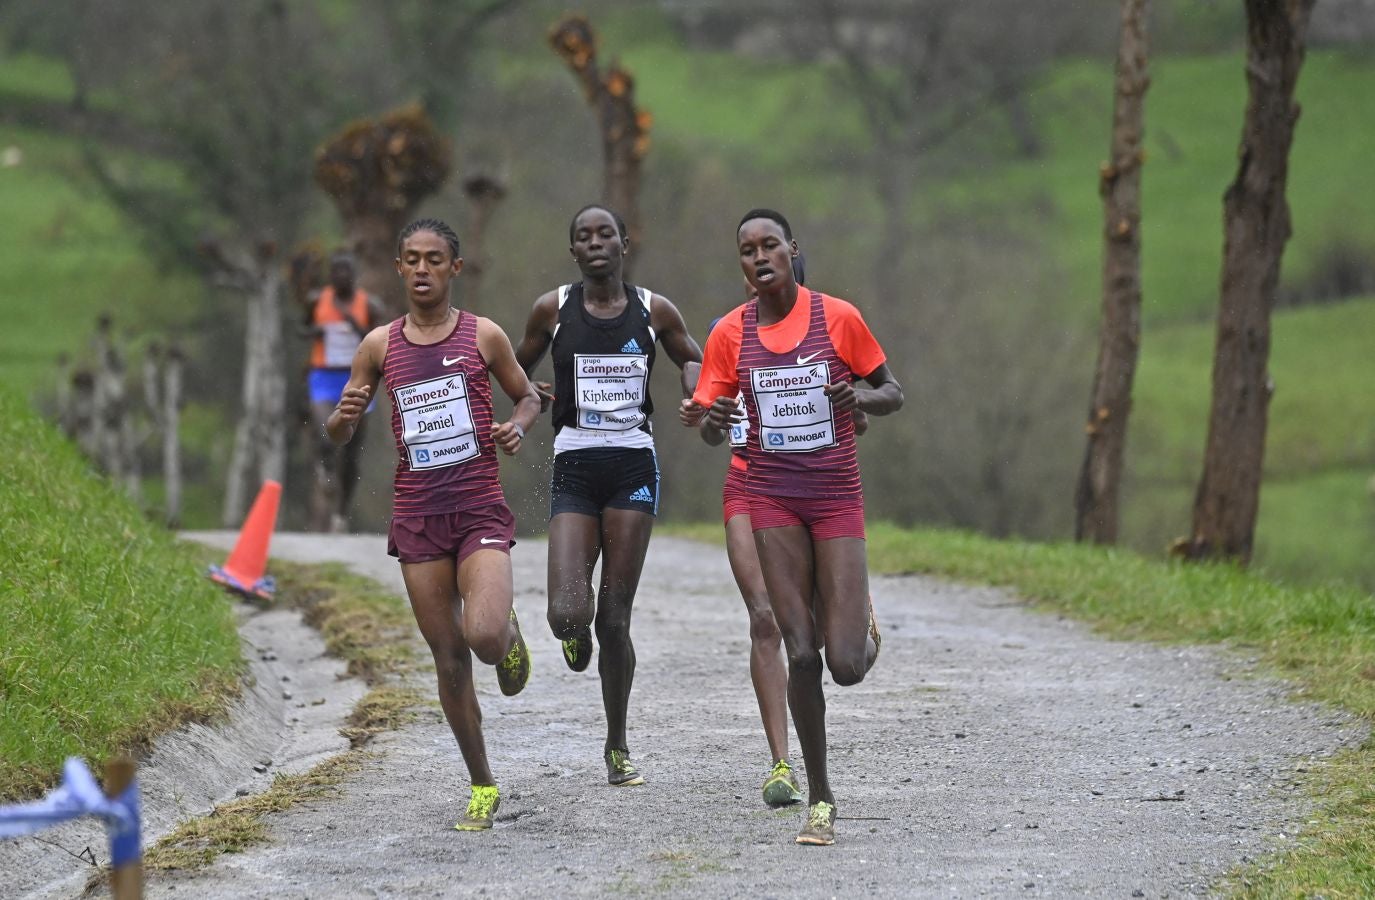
1317, 511
111, 634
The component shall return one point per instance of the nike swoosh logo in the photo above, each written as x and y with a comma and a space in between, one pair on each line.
450, 362
803, 360
491, 541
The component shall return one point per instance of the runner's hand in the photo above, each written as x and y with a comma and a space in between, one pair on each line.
690, 412
842, 395
508, 436
724, 412
546, 394
861, 422
352, 403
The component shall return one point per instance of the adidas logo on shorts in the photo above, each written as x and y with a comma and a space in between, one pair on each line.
631, 346
643, 495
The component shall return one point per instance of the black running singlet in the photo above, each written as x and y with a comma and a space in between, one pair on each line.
602, 368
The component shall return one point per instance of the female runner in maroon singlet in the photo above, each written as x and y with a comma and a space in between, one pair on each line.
793, 353
768, 668
451, 529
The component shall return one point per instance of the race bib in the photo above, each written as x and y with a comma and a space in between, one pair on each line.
437, 422
740, 431
610, 390
341, 342
794, 412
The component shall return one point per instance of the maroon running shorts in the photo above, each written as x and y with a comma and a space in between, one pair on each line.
735, 500
825, 519
415, 539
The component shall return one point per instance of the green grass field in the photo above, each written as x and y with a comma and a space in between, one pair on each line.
1317, 517
112, 634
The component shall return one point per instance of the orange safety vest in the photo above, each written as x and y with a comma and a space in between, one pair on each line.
326, 312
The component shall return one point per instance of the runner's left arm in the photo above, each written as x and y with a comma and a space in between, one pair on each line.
501, 362
678, 343
884, 395
856, 345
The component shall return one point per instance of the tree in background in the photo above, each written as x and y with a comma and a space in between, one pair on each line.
1100, 479
377, 172
924, 72
1256, 227
239, 117
624, 127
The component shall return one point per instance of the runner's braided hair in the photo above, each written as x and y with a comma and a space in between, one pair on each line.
771, 214
620, 223
437, 226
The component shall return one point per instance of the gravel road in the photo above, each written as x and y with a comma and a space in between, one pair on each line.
994, 751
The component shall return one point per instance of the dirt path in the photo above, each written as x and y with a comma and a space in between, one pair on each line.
993, 751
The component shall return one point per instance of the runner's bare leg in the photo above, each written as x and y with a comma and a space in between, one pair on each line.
768, 668
785, 555
625, 540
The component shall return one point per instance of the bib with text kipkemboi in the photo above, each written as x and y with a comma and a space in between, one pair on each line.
610, 390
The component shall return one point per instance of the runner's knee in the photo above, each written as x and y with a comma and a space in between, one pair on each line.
802, 658
489, 647
613, 628
846, 668
566, 621
763, 628
451, 662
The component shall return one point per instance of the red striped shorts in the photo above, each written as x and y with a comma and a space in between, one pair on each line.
825, 519
735, 500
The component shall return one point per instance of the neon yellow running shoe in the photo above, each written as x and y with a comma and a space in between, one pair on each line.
780, 788
514, 669
577, 650
820, 829
482, 806
620, 772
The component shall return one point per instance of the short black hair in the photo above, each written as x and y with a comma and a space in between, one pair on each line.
771, 214
438, 226
620, 223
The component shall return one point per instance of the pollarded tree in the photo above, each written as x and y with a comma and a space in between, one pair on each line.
624, 126
378, 171
1256, 226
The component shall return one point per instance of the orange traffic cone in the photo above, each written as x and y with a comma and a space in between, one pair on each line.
244, 571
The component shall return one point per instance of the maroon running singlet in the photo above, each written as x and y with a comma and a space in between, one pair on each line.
798, 445
442, 419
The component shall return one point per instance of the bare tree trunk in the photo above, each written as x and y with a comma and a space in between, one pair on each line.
99, 449
1256, 226
260, 437
272, 396
84, 414
1096, 498
241, 456
485, 193
170, 419
624, 128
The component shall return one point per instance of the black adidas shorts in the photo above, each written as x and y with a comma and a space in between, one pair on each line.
590, 480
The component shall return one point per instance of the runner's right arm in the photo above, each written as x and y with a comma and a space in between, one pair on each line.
539, 334
363, 379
